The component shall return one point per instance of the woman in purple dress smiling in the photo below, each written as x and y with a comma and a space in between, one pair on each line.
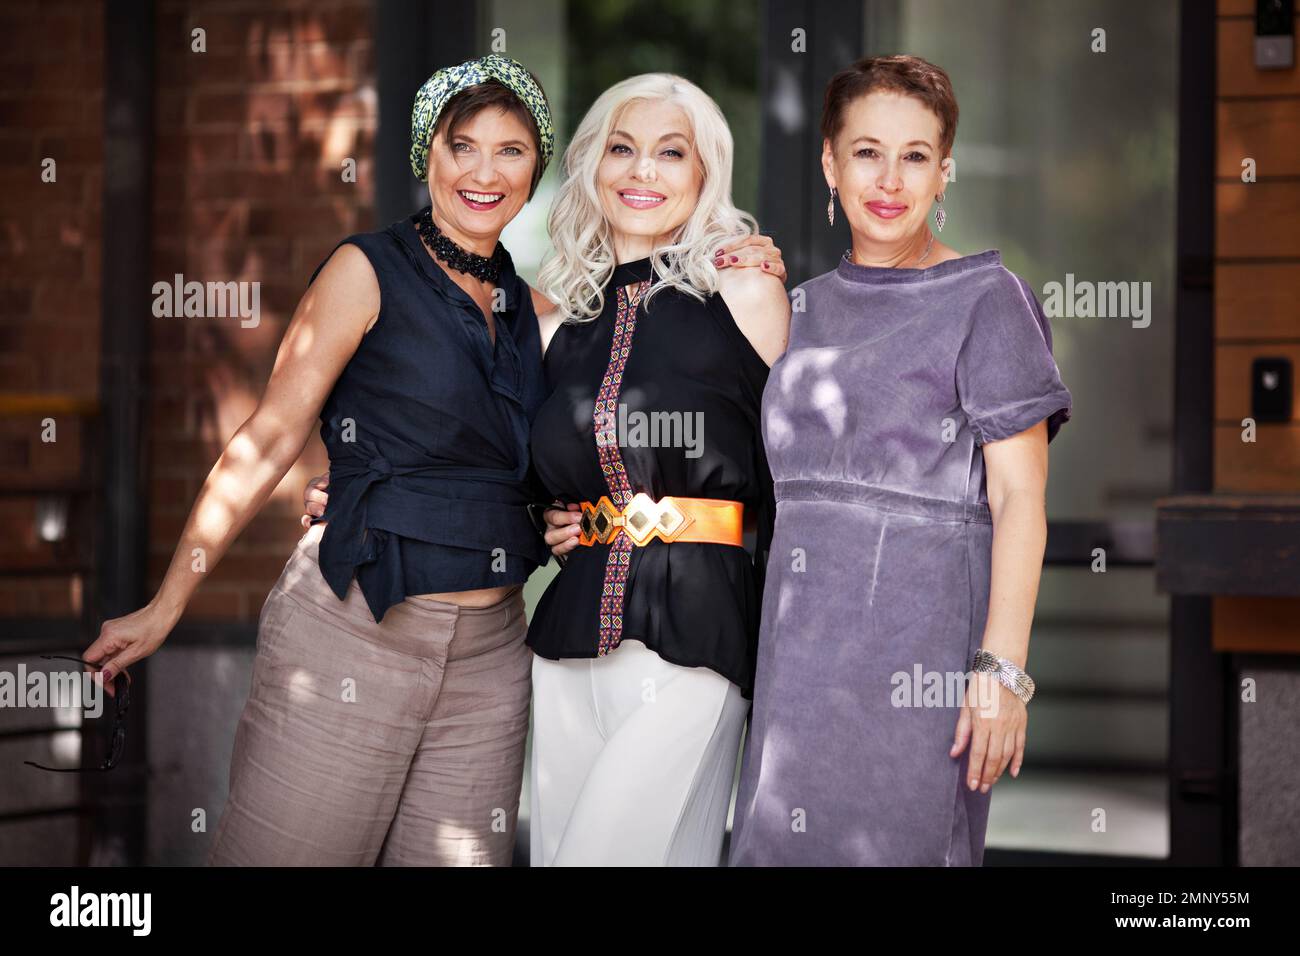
907, 429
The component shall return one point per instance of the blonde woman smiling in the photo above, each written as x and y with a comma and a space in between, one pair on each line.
645, 642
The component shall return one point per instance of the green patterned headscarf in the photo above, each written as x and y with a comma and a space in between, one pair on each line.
446, 83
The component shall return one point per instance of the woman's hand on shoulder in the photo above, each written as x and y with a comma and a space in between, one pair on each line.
759, 304
750, 252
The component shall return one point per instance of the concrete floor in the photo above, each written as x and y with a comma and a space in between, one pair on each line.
1123, 814
1066, 813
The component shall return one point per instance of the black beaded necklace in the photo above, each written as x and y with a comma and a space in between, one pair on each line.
462, 260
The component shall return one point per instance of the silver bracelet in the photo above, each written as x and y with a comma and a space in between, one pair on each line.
1009, 675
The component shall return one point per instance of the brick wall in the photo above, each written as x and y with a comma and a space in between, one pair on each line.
250, 139
51, 106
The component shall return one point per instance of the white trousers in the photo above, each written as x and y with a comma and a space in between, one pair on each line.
633, 760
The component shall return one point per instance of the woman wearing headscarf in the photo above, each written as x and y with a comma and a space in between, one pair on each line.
390, 690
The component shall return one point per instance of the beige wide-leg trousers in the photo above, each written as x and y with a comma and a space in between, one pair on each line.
399, 743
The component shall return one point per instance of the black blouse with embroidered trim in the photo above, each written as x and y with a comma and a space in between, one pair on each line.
694, 604
427, 433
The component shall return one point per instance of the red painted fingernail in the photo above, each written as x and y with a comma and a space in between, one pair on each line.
735, 258
717, 262
764, 265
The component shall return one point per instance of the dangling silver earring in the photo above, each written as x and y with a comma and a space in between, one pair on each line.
830, 207
940, 217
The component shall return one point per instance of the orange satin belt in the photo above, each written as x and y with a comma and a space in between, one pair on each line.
705, 520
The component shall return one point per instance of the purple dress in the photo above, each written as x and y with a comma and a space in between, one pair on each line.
878, 575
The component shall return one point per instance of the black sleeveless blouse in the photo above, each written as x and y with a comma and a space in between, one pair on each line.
427, 433
679, 389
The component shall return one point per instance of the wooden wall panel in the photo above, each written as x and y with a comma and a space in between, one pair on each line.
1257, 301
1241, 8
1267, 131
1257, 268
1268, 465
1257, 220
1255, 625
1256, 304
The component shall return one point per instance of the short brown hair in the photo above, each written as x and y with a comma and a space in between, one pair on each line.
909, 75
469, 102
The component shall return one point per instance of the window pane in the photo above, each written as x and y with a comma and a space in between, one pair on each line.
1065, 160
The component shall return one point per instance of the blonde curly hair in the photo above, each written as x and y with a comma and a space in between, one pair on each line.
582, 256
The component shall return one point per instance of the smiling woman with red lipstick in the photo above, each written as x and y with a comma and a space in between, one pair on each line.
645, 640
907, 428
389, 702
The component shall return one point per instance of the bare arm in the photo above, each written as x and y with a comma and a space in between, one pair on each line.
326, 328
1016, 478
758, 303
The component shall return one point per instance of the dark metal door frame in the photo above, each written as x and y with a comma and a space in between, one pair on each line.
792, 189
413, 38
116, 834
1203, 815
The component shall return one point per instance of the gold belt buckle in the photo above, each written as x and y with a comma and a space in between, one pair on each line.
641, 520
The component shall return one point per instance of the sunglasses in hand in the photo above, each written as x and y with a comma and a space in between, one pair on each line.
121, 694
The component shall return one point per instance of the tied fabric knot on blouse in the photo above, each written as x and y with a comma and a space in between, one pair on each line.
357, 544
429, 507
349, 523
427, 431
